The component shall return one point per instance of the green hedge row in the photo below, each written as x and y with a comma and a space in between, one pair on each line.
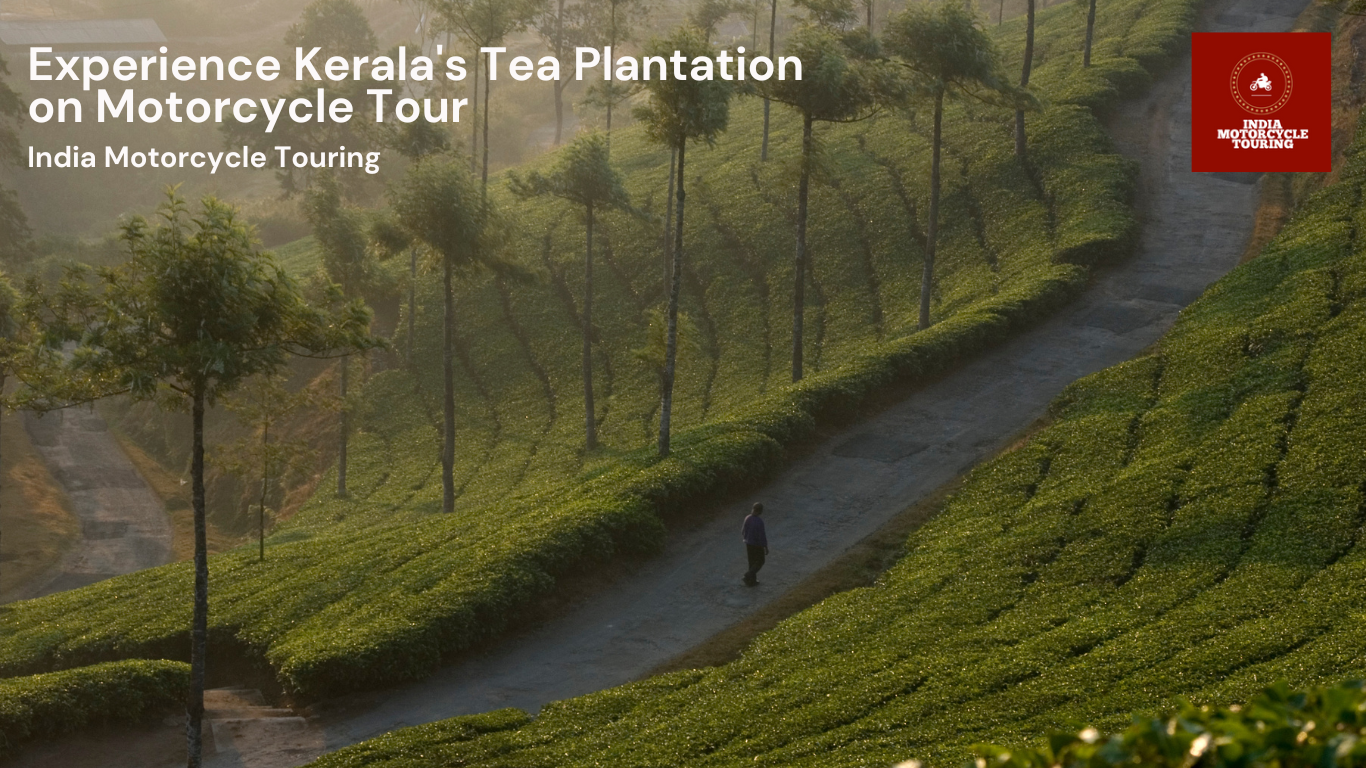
1188, 526
122, 692
372, 590
1324, 727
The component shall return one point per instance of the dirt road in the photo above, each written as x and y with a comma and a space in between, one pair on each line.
1195, 230
123, 524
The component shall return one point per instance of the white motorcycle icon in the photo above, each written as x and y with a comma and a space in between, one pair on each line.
1262, 82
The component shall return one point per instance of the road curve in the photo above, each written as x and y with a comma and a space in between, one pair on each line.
1195, 229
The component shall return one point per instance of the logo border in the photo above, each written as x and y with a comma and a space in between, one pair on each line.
1237, 94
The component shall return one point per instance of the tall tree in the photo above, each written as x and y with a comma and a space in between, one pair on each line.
707, 14
438, 204
1021, 145
615, 19
563, 28
772, 54
680, 112
343, 240
419, 139
15, 235
839, 85
260, 405
339, 27
583, 175
9, 300
948, 55
194, 311
486, 24
1090, 32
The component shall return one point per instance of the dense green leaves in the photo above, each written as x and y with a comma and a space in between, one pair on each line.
1186, 526
375, 588
1323, 727
51, 705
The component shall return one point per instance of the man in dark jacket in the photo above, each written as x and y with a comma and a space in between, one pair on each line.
756, 543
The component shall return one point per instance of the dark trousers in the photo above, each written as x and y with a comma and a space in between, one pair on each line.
756, 561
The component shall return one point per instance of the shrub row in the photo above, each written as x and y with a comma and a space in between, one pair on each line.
1186, 527
1280, 727
373, 590
122, 692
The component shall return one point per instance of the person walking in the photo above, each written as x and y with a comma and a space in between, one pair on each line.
756, 543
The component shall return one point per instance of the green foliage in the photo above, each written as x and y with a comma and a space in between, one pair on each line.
15, 235
1323, 727
58, 703
376, 588
339, 27
686, 110
836, 85
196, 308
947, 52
1186, 527
438, 205
583, 175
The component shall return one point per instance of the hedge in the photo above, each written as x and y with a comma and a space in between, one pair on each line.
374, 589
1187, 527
122, 692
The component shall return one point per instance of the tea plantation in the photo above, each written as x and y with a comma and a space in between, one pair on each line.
375, 589
1185, 526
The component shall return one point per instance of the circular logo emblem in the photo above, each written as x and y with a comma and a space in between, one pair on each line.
1261, 83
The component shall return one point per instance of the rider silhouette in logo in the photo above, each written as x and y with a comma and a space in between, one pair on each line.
1262, 82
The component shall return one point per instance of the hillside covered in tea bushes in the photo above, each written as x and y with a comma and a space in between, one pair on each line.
375, 588
1187, 525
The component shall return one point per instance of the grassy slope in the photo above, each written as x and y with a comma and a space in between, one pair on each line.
1188, 525
374, 589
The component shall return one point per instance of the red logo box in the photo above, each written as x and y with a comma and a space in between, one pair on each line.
1261, 101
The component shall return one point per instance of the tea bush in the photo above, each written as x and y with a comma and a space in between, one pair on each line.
1187, 526
374, 589
130, 692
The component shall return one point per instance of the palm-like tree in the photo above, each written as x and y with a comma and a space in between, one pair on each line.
947, 55
438, 204
583, 176
839, 85
678, 113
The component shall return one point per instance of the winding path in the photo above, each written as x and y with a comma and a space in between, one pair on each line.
1195, 230
123, 523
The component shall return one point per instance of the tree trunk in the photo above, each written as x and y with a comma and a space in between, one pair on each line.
1001, 14
1090, 32
671, 332
474, 119
1020, 146
611, 91
799, 264
772, 53
669, 224
448, 396
590, 421
344, 426
412, 302
558, 85
2, 415
484, 178
869, 3
265, 484
199, 629
927, 278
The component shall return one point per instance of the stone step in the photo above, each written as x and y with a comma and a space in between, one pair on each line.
246, 713
233, 698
